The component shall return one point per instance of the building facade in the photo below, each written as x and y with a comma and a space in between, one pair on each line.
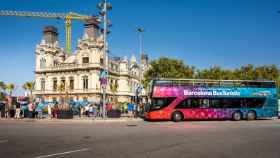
76, 76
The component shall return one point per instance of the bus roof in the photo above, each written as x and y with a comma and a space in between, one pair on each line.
214, 83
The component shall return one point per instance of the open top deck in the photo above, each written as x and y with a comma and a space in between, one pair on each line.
214, 83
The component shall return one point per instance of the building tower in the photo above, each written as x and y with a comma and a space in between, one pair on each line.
50, 35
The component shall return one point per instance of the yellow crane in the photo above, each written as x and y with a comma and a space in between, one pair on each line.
68, 17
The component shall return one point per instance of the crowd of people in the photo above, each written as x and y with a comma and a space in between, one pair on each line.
39, 110
17, 110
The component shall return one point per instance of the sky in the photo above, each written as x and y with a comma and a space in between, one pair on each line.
202, 33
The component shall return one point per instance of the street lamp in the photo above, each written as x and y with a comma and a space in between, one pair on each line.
140, 30
104, 6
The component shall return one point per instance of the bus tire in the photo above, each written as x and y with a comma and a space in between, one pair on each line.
177, 116
237, 116
251, 115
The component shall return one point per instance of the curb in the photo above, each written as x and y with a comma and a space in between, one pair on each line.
82, 120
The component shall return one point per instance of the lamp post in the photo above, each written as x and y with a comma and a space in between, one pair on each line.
140, 30
104, 6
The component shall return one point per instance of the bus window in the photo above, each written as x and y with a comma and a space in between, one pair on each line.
184, 104
231, 102
254, 102
216, 103
159, 103
195, 103
204, 103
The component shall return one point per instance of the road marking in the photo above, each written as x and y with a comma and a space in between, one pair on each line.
63, 153
3, 141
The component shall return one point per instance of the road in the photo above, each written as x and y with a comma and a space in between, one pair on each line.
190, 139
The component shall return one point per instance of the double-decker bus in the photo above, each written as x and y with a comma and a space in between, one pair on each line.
197, 99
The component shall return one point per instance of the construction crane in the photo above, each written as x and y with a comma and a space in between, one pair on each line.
68, 17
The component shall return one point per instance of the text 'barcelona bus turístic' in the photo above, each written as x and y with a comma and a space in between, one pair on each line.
197, 99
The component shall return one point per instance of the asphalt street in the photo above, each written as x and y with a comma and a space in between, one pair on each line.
139, 139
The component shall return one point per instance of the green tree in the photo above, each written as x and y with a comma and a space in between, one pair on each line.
168, 68
2, 96
10, 88
247, 72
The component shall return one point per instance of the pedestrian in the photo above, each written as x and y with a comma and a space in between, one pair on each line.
30, 109
2, 110
39, 110
50, 110
130, 107
98, 110
7, 110
94, 110
18, 110
56, 110
135, 110
90, 111
39, 113
81, 111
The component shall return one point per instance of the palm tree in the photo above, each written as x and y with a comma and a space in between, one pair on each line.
10, 87
114, 88
2, 86
29, 86
61, 88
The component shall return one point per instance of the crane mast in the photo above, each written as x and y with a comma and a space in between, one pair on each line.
68, 17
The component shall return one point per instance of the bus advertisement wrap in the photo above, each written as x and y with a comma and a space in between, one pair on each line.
212, 92
196, 99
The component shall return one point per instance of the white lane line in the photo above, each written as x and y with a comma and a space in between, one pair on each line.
3, 141
64, 153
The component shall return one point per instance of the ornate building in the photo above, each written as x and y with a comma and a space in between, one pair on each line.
78, 74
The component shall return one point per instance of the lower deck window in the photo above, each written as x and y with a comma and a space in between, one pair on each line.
159, 103
221, 103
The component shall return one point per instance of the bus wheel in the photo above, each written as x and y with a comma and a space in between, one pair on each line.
251, 115
236, 116
177, 116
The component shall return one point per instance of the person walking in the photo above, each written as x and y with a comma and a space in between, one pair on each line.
135, 110
130, 107
18, 110
30, 109
7, 111
39, 113
50, 110
81, 111
55, 111
94, 108
2, 110
39, 110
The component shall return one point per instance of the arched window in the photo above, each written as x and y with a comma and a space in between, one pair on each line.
63, 83
54, 84
43, 82
71, 83
55, 62
42, 63
85, 82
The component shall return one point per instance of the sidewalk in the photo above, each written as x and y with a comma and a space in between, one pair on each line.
122, 119
76, 119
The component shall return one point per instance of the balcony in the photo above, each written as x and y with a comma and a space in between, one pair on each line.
81, 91
65, 67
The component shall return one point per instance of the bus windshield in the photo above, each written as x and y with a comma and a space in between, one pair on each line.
160, 103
